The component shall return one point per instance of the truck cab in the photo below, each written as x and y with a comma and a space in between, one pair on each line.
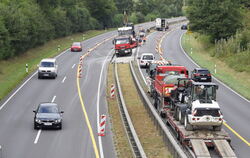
123, 45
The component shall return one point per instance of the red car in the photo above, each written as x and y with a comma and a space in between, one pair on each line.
76, 47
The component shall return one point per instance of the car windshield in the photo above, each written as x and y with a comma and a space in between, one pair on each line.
205, 93
77, 44
211, 112
48, 109
147, 57
203, 72
47, 64
122, 41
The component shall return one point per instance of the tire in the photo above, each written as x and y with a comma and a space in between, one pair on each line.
176, 111
180, 117
35, 127
217, 128
155, 103
60, 127
187, 125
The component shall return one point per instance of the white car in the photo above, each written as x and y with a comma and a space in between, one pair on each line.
47, 68
146, 59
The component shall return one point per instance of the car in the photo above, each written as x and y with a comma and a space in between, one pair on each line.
201, 75
47, 68
76, 47
184, 27
146, 59
48, 115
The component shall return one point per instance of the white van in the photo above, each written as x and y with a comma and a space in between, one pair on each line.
146, 59
47, 68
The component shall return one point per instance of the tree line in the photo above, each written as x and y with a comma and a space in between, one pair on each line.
25, 24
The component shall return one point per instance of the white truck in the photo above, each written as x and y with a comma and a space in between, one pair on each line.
161, 24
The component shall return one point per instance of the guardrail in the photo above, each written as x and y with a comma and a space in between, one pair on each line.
168, 138
131, 133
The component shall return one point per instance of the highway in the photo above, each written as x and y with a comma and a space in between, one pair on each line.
82, 104
234, 108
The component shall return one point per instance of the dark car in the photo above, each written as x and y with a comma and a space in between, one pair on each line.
76, 47
184, 27
48, 115
201, 75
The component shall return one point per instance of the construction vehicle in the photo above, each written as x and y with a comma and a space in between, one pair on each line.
161, 24
194, 116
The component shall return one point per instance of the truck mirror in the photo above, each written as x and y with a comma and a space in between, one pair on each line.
113, 41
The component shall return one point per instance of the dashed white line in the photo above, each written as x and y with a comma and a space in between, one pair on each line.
64, 79
73, 66
37, 136
53, 99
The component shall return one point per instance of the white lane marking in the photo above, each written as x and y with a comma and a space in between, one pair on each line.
73, 66
138, 50
17, 90
37, 136
98, 105
53, 99
64, 79
2, 106
183, 51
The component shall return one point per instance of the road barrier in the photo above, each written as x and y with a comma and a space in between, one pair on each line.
102, 125
173, 146
80, 71
112, 91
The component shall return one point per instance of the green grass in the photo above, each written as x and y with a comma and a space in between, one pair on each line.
12, 71
151, 140
239, 81
121, 142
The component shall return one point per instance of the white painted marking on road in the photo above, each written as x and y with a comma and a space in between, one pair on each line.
17, 90
98, 105
183, 51
143, 77
37, 136
64, 79
53, 99
73, 66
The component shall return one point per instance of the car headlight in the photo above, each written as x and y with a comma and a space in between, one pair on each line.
58, 120
38, 121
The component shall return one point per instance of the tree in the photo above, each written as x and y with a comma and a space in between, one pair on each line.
217, 18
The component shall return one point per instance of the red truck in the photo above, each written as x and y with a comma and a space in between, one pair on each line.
124, 44
165, 81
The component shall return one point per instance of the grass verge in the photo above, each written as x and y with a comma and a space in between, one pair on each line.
122, 145
151, 141
239, 81
12, 71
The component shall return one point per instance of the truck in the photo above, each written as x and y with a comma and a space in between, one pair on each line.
194, 116
123, 45
161, 24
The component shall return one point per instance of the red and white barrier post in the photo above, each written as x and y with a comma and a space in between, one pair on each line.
112, 91
102, 125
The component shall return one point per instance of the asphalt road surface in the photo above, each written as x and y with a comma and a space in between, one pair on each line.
234, 108
79, 134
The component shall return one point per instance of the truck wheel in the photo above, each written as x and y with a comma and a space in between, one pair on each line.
176, 111
180, 117
187, 125
217, 128
155, 103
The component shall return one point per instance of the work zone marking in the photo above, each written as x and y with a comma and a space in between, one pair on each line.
73, 66
84, 109
237, 134
86, 116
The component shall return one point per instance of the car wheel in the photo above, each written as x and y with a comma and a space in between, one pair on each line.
187, 125
35, 126
60, 127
